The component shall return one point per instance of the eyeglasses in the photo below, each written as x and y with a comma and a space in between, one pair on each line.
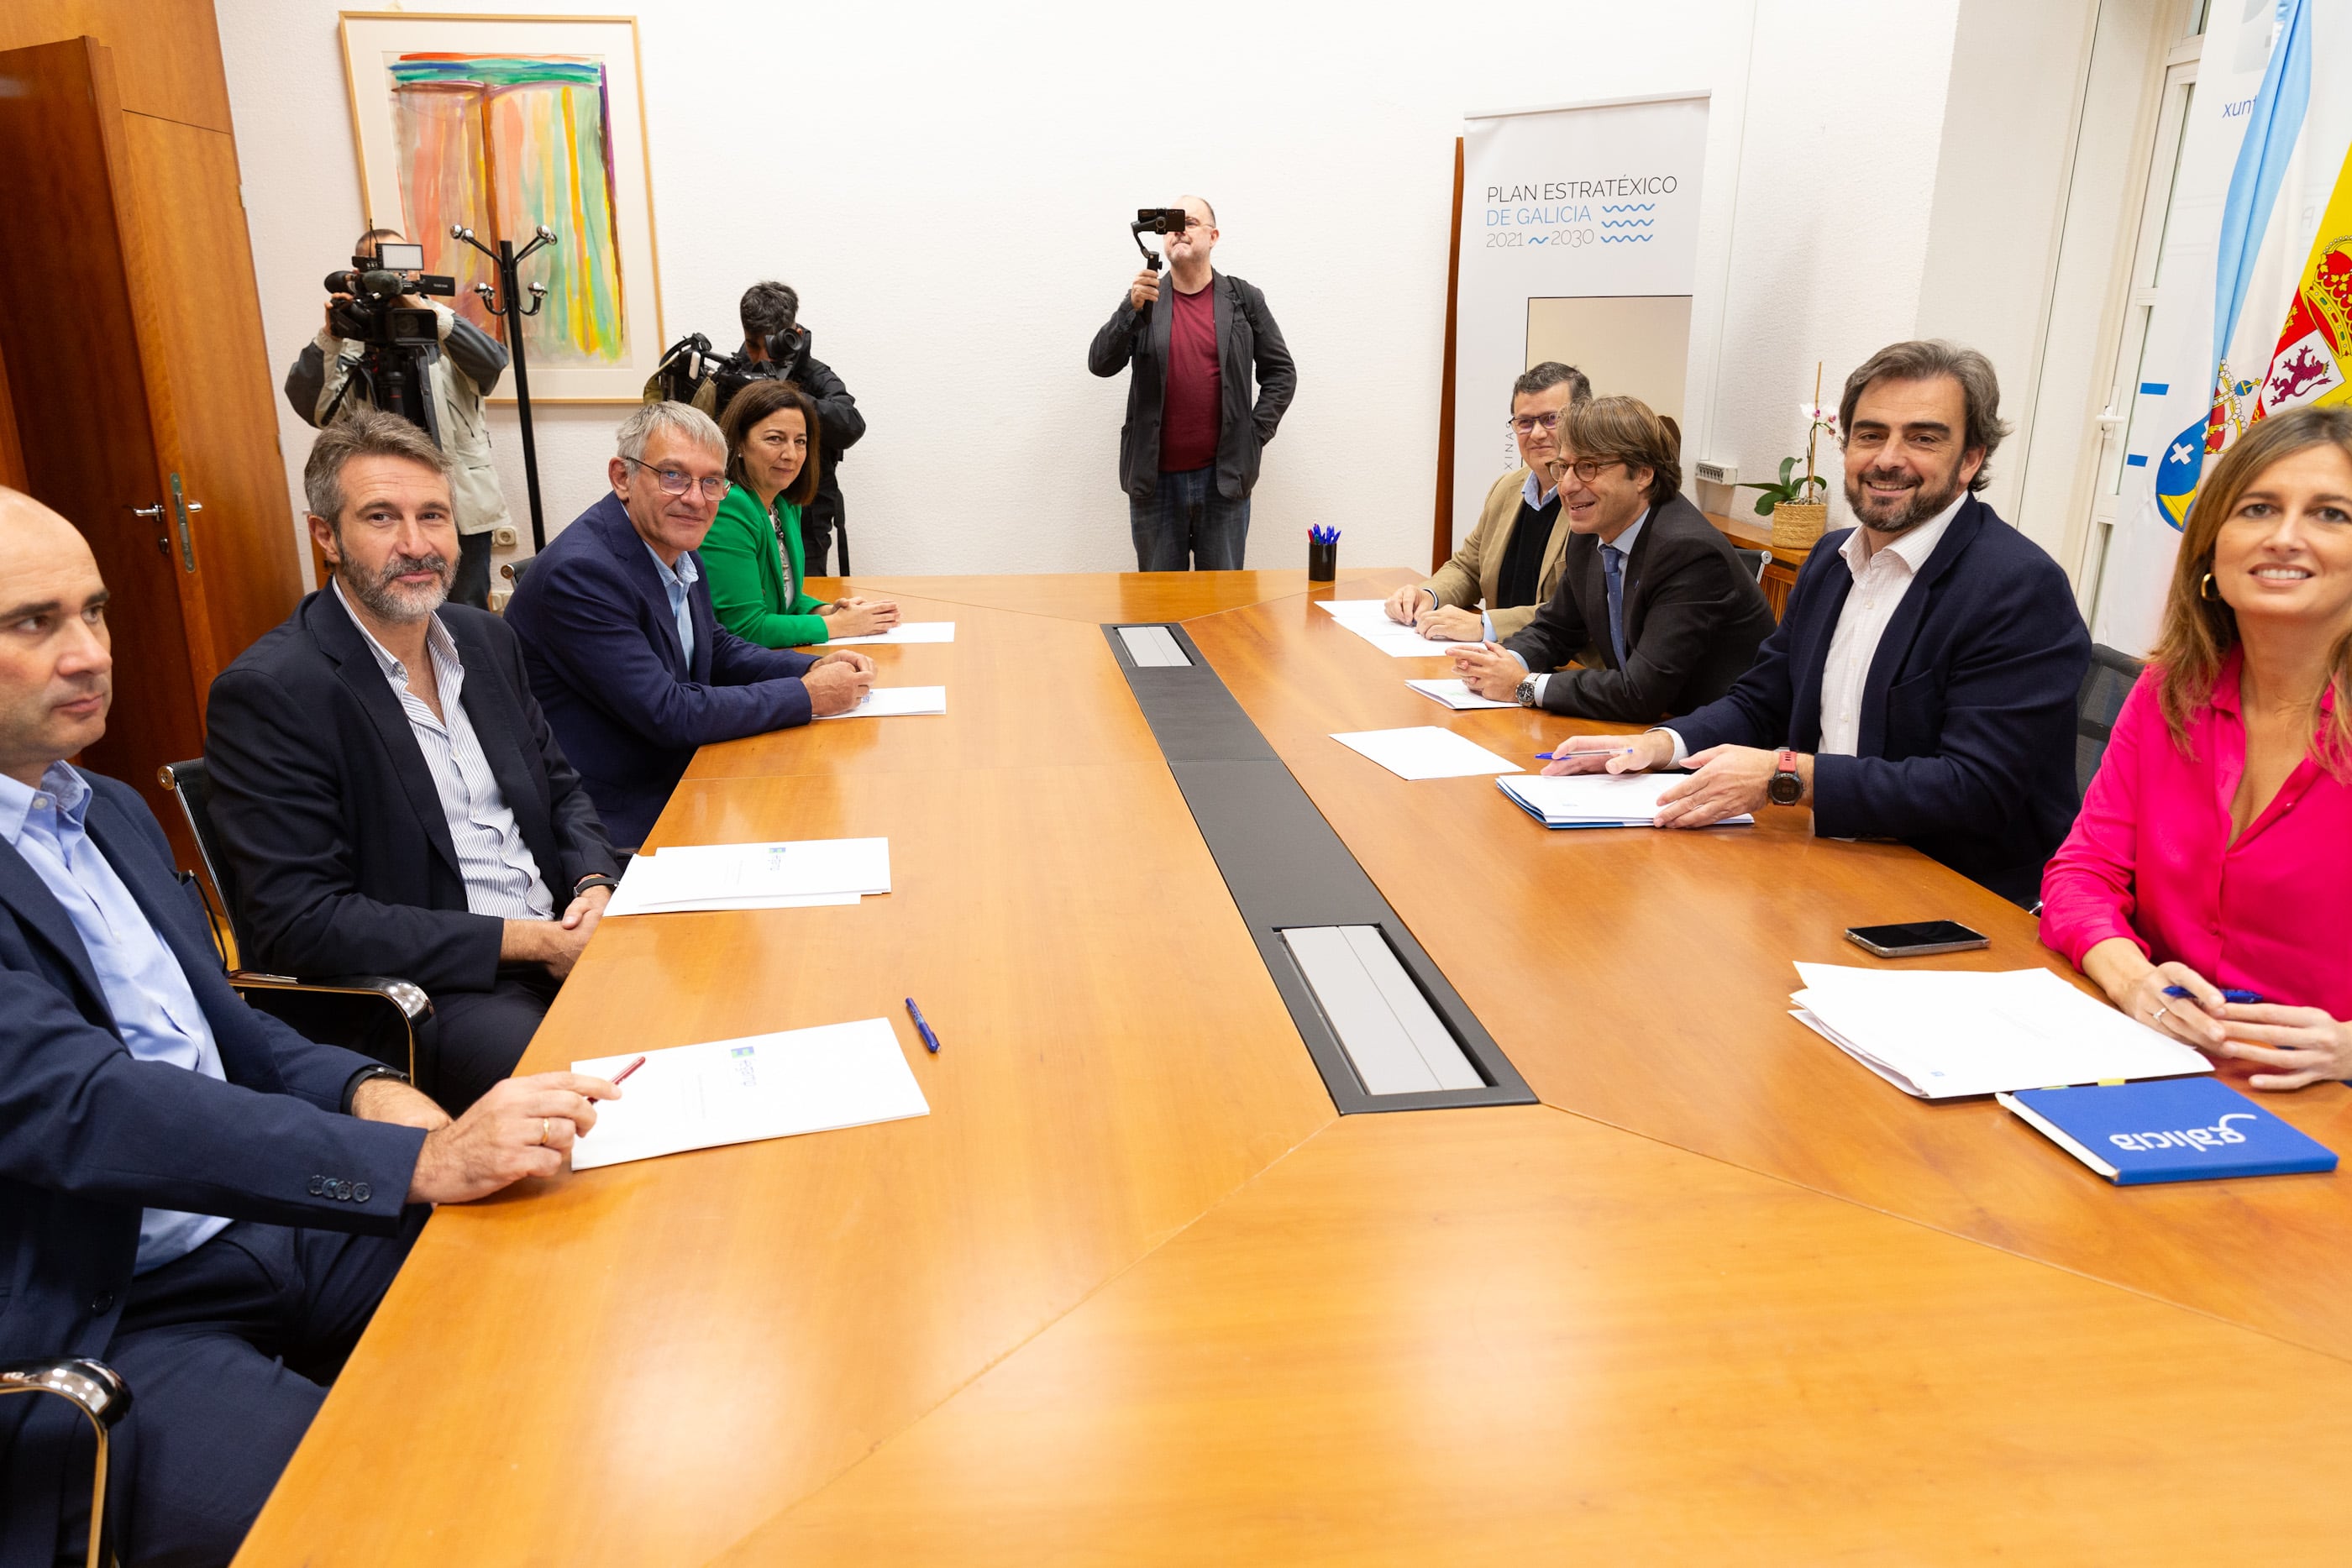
678, 481
1585, 472
1526, 424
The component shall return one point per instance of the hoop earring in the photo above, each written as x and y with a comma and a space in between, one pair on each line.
2205, 590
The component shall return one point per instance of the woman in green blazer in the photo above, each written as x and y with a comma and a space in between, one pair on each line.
752, 555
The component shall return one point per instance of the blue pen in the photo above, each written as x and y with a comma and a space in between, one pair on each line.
931, 1040
2235, 998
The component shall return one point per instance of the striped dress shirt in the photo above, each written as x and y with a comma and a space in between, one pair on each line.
501, 875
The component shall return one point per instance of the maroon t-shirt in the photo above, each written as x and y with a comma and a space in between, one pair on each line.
1187, 423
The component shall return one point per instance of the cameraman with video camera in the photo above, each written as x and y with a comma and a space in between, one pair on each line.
1188, 453
466, 367
776, 345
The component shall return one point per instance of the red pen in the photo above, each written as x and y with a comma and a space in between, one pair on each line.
626, 1071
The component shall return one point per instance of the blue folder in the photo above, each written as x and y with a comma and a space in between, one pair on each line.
2169, 1129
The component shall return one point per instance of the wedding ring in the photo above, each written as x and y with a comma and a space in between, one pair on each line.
542, 1128
2158, 1016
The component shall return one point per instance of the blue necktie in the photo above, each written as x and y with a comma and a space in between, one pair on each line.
1612, 567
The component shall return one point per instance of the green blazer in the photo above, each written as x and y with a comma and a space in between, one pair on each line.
753, 589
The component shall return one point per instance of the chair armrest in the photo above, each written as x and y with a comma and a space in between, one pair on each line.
98, 1391
406, 996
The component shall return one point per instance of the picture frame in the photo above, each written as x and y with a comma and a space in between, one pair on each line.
502, 123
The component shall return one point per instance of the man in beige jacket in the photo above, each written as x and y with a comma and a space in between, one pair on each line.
1512, 559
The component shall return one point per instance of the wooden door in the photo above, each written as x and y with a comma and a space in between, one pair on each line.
83, 399
142, 387
12, 454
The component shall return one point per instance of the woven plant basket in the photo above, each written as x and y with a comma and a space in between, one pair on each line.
1797, 525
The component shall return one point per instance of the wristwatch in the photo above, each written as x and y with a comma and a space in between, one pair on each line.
368, 1075
1788, 787
1527, 692
598, 880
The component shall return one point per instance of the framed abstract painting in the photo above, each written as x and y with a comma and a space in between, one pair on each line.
502, 124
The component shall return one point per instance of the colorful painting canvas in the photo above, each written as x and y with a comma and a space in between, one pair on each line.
502, 124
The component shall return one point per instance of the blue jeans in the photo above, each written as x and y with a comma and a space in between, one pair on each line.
1187, 526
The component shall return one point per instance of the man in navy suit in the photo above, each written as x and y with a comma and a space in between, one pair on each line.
1921, 683
624, 653
385, 789
189, 1191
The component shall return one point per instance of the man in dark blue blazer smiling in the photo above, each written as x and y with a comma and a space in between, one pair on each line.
1921, 683
189, 1191
625, 655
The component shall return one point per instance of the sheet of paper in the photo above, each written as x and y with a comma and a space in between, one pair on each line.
905, 632
790, 873
741, 1090
894, 702
1367, 618
1950, 1032
1425, 751
1456, 694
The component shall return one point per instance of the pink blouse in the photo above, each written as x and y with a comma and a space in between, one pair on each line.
2151, 860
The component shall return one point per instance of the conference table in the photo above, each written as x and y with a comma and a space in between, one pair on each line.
1134, 1291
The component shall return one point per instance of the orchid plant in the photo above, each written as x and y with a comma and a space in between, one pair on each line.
1790, 488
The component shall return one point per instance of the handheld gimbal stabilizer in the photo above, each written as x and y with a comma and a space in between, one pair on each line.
1157, 221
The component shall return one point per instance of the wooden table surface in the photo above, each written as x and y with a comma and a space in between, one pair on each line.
1132, 1293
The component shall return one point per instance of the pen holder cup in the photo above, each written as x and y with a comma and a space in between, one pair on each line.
1322, 561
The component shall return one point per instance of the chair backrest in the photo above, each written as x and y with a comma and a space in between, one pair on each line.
1757, 559
2106, 683
512, 571
192, 784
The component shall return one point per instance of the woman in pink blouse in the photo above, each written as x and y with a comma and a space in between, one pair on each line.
2214, 850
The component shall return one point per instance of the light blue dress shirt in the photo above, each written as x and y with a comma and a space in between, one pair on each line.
1624, 542
153, 1006
675, 584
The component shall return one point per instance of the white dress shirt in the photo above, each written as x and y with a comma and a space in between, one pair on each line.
1881, 578
501, 874
1622, 542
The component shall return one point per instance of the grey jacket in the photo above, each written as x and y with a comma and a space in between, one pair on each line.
471, 364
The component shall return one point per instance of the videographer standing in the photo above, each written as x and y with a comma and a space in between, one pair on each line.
469, 366
772, 336
1188, 457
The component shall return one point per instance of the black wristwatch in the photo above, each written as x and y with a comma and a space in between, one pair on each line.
1788, 785
597, 880
1527, 692
368, 1075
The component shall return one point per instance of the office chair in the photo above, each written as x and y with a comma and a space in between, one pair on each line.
512, 571
2097, 706
321, 1002
100, 1393
1757, 559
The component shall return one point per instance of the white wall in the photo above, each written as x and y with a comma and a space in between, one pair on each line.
946, 185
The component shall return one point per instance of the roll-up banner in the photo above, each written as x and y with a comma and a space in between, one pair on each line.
1579, 242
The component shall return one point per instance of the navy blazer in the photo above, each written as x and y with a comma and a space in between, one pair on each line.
329, 815
603, 653
89, 1136
1965, 750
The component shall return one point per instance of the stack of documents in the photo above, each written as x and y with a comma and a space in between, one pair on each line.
894, 702
905, 632
787, 875
1456, 694
1596, 799
1425, 751
1939, 1033
1368, 619
739, 1090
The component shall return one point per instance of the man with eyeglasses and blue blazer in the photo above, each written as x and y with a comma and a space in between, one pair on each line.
624, 655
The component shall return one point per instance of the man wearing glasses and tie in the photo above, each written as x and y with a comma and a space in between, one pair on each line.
1188, 454
1656, 612
1511, 561
624, 655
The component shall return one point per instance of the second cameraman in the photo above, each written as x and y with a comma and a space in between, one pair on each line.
468, 368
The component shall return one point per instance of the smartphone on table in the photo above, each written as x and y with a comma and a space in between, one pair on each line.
1916, 939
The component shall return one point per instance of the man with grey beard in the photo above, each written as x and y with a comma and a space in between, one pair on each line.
1921, 683
388, 795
